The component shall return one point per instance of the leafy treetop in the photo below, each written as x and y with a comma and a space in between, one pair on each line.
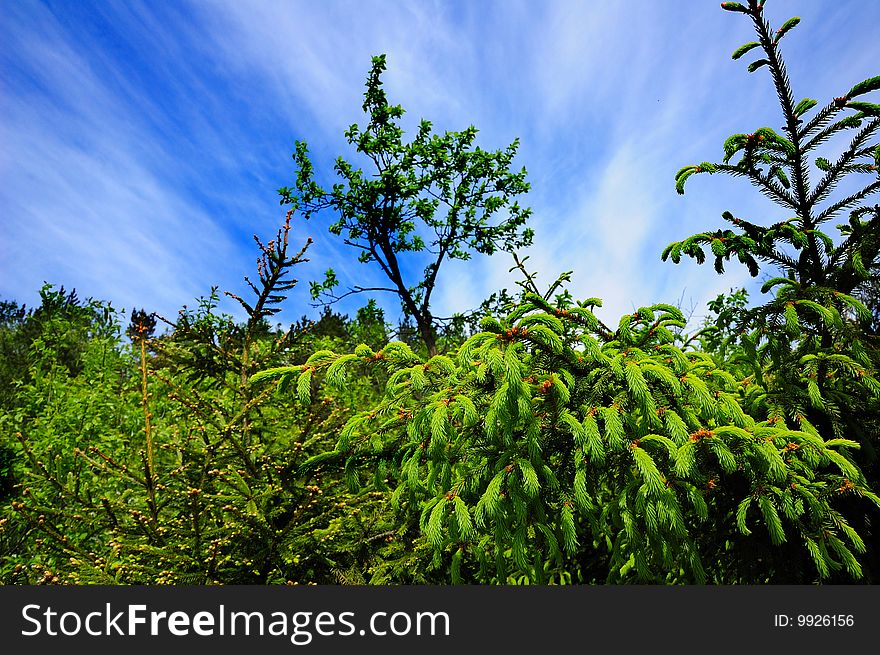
777, 164
439, 195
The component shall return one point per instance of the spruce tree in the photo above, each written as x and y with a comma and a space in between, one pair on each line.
157, 462
550, 448
809, 350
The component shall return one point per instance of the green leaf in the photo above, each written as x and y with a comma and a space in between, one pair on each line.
684, 459
662, 374
579, 489
271, 373
741, 513
734, 6
336, 372
463, 518
755, 65
569, 533
441, 364
846, 467
648, 470
593, 445
776, 466
519, 549
574, 426
700, 392
675, 426
439, 424
304, 386
470, 417
782, 177
543, 319
804, 106
531, 485
725, 457
792, 324
871, 84
867, 108
858, 265
698, 502
665, 442
637, 386
490, 501
673, 250
682, 177
490, 324
352, 478
818, 558
772, 520
545, 337
434, 530
614, 434
861, 311
743, 49
238, 482
786, 27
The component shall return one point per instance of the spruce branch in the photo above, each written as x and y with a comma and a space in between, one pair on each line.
782, 85
835, 173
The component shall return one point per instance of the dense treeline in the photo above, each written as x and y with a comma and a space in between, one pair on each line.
527, 442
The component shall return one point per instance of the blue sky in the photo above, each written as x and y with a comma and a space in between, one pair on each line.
141, 144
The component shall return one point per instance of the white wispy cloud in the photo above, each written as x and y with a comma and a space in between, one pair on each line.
142, 143
86, 196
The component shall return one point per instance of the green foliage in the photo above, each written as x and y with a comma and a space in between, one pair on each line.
545, 448
778, 166
441, 196
523, 442
811, 348
152, 462
68, 385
